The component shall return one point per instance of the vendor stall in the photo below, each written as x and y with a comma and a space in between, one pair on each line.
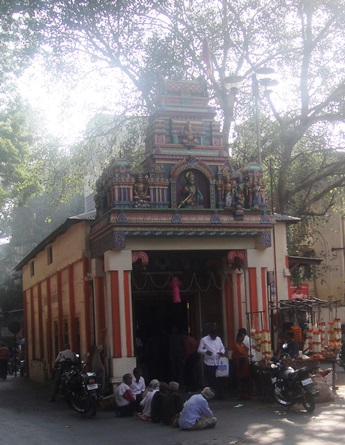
319, 341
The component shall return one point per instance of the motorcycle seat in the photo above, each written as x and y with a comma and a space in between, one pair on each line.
66, 365
298, 373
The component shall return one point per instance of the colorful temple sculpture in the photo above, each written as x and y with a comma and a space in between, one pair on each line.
186, 166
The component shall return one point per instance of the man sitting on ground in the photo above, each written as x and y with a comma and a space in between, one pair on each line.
138, 386
157, 402
147, 400
196, 413
125, 399
172, 405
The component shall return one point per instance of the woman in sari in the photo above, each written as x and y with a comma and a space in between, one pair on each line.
243, 374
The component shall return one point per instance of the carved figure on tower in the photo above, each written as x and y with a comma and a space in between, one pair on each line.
141, 192
240, 194
258, 192
192, 196
229, 191
188, 136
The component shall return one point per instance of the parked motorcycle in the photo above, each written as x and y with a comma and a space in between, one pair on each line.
292, 386
80, 389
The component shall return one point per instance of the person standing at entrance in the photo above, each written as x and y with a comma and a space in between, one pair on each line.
191, 360
243, 372
176, 346
211, 348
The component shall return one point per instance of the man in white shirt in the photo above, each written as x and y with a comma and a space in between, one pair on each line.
124, 398
211, 348
138, 386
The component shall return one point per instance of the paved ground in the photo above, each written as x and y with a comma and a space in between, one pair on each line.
27, 418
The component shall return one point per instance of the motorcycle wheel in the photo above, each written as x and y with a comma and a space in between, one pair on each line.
79, 404
309, 402
280, 396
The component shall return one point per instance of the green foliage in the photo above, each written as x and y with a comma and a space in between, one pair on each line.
33, 166
40, 216
17, 177
145, 40
20, 38
109, 137
11, 297
303, 41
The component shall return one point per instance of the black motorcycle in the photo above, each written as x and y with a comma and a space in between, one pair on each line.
292, 386
80, 389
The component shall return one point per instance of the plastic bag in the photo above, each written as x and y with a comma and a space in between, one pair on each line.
223, 367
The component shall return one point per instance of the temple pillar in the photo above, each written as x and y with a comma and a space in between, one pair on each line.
237, 260
229, 310
257, 292
239, 300
98, 279
118, 312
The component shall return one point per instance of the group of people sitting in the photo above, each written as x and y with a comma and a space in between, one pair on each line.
161, 402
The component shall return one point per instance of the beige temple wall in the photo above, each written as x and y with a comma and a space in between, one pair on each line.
68, 250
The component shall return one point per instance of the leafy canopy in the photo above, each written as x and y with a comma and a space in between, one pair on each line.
299, 130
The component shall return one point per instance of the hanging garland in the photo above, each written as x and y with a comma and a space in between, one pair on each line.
194, 280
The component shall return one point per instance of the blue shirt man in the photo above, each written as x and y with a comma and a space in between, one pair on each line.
196, 413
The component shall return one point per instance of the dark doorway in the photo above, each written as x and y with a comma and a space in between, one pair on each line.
158, 320
160, 327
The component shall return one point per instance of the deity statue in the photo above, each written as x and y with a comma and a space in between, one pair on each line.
192, 195
248, 191
258, 192
188, 137
141, 189
240, 194
229, 191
